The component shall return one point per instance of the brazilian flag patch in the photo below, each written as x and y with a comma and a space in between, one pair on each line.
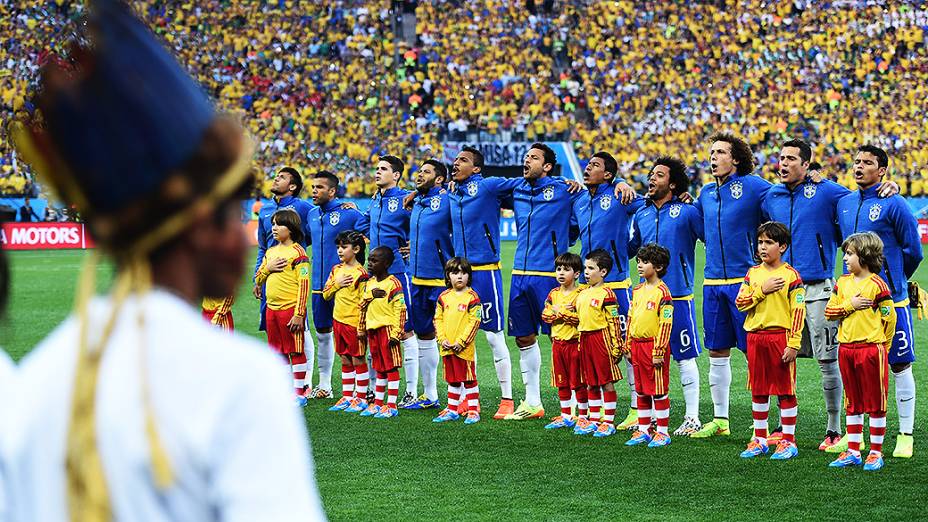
304, 270
478, 312
884, 310
800, 297
614, 311
668, 312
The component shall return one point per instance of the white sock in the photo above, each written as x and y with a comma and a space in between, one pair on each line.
905, 400
428, 366
326, 358
719, 384
630, 377
831, 388
501, 359
411, 364
530, 364
689, 381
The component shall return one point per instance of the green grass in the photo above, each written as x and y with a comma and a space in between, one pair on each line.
410, 468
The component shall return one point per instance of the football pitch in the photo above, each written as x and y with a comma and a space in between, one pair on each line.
410, 468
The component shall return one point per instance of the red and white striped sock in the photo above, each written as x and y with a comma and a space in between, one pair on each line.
347, 381
644, 413
393, 387
662, 412
596, 403
877, 431
454, 395
855, 432
380, 387
298, 367
609, 400
788, 412
564, 395
472, 392
760, 409
583, 406
361, 380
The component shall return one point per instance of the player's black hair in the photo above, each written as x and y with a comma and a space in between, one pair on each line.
805, 150
386, 252
882, 160
287, 217
295, 179
458, 264
332, 179
658, 256
395, 163
570, 260
610, 165
681, 183
440, 168
478, 156
776, 231
602, 259
352, 238
740, 151
814, 165
869, 249
550, 156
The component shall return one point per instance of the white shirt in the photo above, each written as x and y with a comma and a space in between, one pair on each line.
224, 411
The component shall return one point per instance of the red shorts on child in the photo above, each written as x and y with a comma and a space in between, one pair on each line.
767, 373
384, 356
648, 379
226, 323
565, 364
458, 369
865, 376
597, 367
279, 335
346, 340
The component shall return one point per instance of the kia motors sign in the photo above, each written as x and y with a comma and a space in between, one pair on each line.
44, 236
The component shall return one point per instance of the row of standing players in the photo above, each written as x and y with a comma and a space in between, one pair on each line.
462, 218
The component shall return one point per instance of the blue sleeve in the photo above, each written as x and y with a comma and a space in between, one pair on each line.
697, 227
698, 202
635, 205
363, 225
501, 187
357, 221
906, 229
764, 188
262, 245
836, 191
307, 230
634, 238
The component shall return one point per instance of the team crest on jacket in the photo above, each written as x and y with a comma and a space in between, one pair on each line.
875, 210
736, 189
472, 188
435, 203
675, 210
595, 302
393, 204
462, 307
334, 218
809, 191
650, 305
548, 193
605, 201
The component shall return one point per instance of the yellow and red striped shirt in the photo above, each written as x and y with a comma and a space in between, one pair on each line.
290, 287
221, 308
876, 324
785, 308
457, 319
563, 322
651, 315
347, 307
389, 310
597, 310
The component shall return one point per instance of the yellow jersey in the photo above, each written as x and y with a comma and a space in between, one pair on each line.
876, 324
785, 308
290, 287
388, 310
563, 322
457, 319
597, 310
347, 307
651, 315
218, 305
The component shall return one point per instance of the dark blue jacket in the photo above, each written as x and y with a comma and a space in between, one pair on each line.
325, 223
545, 223
475, 205
430, 235
676, 226
604, 223
386, 223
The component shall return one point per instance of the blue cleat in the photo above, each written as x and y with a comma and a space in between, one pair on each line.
422, 403
357, 406
785, 450
755, 448
342, 403
604, 430
874, 461
301, 401
447, 415
564, 421
472, 418
386, 412
845, 460
372, 411
585, 426
659, 440
639, 437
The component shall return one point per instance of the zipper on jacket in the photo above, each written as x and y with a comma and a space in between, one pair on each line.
528, 226
821, 254
791, 200
686, 280
415, 262
718, 194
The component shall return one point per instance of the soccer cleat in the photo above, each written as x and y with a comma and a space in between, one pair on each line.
301, 401
561, 421
604, 430
639, 437
630, 422
785, 450
904, 444
387, 412
844, 460
423, 403
689, 427
755, 448
408, 400
356, 406
585, 426
446, 415
370, 395
874, 461
506, 407
838, 447
775, 436
713, 428
372, 411
659, 440
320, 393
525, 411
342, 403
831, 438
472, 417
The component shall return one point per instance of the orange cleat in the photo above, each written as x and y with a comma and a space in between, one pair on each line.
506, 407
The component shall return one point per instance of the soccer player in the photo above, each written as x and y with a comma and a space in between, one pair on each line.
864, 305
345, 286
600, 345
457, 319
386, 223
604, 222
285, 270
326, 220
650, 323
731, 210
667, 221
218, 311
429, 248
561, 313
892, 220
383, 317
774, 299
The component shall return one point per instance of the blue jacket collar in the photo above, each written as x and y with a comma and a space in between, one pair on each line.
434, 191
286, 200
673, 199
334, 204
395, 191
869, 193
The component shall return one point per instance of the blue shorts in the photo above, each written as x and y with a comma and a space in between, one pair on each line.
422, 310
527, 295
684, 338
723, 323
404, 280
623, 296
489, 286
322, 311
903, 348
